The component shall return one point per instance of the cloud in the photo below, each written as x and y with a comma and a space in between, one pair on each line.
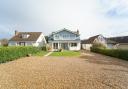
53, 15
115, 8
115, 15
89, 16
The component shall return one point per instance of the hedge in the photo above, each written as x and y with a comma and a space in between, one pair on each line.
12, 53
118, 53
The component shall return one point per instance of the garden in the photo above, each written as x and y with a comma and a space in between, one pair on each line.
13, 53
66, 53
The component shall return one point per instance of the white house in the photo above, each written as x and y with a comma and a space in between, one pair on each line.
64, 39
111, 43
120, 42
27, 39
87, 44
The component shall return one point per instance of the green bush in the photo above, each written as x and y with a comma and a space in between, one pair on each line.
44, 48
118, 53
99, 45
12, 53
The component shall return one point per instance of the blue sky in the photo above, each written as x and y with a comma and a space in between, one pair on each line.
91, 17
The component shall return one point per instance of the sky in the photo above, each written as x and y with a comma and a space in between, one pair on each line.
91, 17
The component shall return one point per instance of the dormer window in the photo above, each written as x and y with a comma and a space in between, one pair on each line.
25, 35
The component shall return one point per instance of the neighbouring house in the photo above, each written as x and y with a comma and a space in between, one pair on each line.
111, 44
87, 44
27, 39
121, 42
64, 39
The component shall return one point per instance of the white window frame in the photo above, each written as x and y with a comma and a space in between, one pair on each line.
73, 44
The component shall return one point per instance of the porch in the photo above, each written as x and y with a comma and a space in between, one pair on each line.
65, 45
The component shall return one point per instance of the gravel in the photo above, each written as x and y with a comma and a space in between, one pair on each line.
90, 71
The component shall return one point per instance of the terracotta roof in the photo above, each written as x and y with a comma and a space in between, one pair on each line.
123, 39
90, 40
33, 36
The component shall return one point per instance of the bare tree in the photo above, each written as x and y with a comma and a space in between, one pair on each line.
4, 42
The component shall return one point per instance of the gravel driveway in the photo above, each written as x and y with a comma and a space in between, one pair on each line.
90, 71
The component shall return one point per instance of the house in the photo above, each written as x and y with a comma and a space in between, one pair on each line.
87, 44
111, 44
121, 42
64, 39
27, 39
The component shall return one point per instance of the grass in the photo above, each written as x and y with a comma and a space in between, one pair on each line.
66, 53
41, 53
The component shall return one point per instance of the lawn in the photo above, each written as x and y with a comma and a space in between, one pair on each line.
41, 53
66, 53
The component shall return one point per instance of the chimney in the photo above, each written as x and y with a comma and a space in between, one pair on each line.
16, 32
77, 31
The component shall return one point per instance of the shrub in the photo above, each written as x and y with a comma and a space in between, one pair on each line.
49, 48
60, 50
12, 53
98, 45
44, 48
118, 53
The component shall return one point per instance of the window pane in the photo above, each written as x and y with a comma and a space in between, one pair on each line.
73, 44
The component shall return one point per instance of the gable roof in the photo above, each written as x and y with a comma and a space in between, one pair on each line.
33, 36
90, 40
122, 39
110, 41
74, 32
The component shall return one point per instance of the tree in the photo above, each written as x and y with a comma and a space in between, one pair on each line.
46, 37
4, 42
98, 45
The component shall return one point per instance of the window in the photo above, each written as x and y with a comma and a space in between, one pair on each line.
55, 45
21, 43
73, 44
25, 35
64, 36
56, 36
71, 35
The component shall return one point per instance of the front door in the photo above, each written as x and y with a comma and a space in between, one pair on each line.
55, 45
64, 46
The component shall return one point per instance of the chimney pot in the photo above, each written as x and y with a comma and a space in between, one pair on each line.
16, 32
77, 31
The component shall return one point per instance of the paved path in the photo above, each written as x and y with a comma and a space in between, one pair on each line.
48, 54
90, 71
